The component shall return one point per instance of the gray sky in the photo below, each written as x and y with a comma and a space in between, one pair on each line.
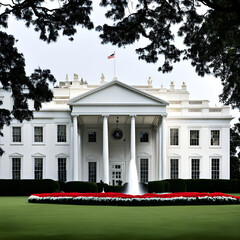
87, 57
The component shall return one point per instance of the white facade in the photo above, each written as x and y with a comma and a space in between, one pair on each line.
90, 133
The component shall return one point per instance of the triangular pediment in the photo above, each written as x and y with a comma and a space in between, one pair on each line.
196, 155
38, 155
116, 92
16, 155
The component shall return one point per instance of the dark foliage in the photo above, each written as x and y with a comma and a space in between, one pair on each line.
27, 187
211, 41
194, 185
211, 38
49, 22
82, 187
234, 152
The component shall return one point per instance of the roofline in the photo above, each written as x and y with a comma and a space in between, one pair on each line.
114, 82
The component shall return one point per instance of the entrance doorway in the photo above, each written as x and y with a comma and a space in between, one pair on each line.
117, 173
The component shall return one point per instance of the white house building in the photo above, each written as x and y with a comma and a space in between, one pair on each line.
90, 133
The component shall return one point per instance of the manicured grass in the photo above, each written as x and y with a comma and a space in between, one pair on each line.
22, 220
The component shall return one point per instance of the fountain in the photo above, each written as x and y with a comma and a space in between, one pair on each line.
133, 185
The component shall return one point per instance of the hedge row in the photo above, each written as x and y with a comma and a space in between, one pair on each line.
26, 187
11, 187
78, 186
194, 185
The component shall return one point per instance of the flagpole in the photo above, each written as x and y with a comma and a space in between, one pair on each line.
114, 77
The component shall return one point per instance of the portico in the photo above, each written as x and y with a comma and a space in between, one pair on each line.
103, 110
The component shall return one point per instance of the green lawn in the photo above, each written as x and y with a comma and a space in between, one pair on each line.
22, 220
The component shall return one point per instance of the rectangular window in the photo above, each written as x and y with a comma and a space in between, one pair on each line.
215, 168
174, 137
62, 171
16, 134
194, 137
16, 168
195, 168
92, 136
215, 137
143, 136
144, 170
61, 133
174, 168
38, 168
38, 134
92, 171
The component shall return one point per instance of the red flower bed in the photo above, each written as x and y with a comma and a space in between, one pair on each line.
122, 195
188, 198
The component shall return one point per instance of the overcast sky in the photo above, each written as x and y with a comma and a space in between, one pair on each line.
87, 57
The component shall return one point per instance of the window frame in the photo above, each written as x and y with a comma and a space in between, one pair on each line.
88, 165
66, 133
66, 168
88, 136
178, 167
219, 167
143, 133
140, 169
42, 170
21, 131
43, 134
199, 167
178, 137
20, 171
197, 139
219, 140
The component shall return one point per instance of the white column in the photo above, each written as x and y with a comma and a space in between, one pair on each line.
75, 149
164, 142
80, 154
133, 137
105, 151
159, 148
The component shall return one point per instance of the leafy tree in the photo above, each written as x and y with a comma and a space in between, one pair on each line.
49, 22
211, 40
234, 152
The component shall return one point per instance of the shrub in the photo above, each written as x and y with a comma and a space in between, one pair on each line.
117, 189
156, 186
213, 185
169, 185
61, 184
25, 187
101, 186
82, 187
176, 185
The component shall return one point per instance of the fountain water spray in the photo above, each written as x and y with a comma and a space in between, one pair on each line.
133, 185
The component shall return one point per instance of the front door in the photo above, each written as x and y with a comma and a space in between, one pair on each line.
116, 173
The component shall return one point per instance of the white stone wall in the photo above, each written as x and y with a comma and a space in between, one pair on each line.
200, 117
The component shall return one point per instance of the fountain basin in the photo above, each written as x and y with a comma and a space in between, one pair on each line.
121, 199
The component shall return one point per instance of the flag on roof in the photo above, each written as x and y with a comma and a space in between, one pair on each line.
111, 56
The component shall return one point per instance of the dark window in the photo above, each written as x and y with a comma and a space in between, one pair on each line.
194, 137
92, 137
174, 136
38, 134
195, 168
16, 168
16, 134
92, 171
174, 168
143, 136
38, 168
62, 171
215, 168
215, 137
61, 133
144, 170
